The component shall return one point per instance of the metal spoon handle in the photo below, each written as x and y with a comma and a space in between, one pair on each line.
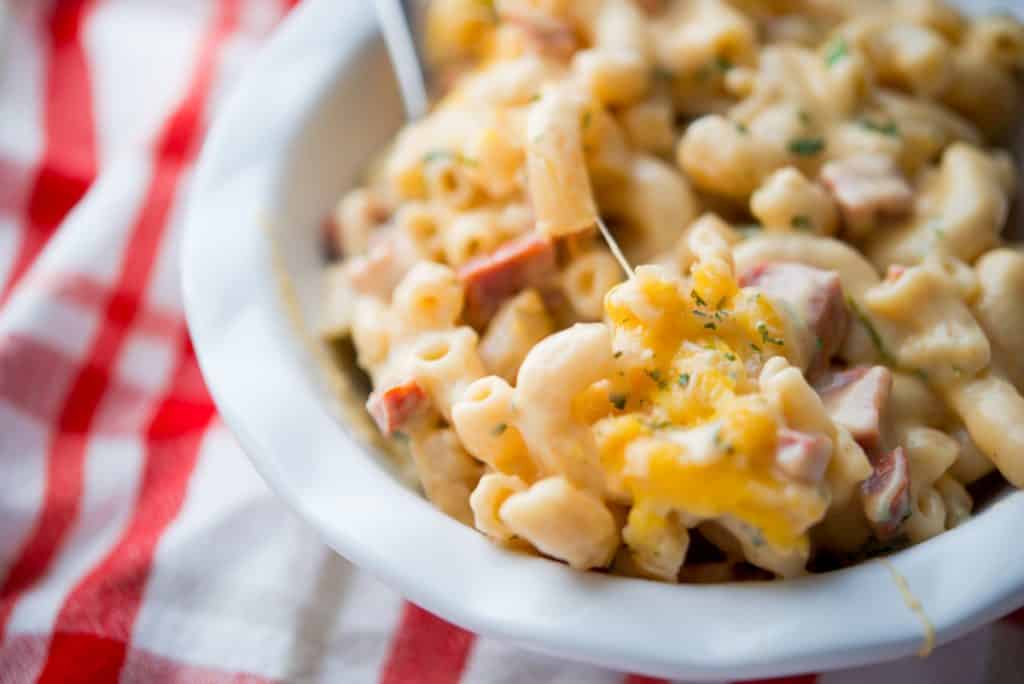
398, 22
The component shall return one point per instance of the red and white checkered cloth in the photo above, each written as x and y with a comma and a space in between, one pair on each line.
136, 543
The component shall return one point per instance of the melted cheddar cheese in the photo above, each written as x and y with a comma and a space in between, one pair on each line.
687, 430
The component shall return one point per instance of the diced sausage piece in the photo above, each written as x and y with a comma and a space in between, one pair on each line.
491, 279
379, 271
347, 229
886, 493
330, 238
866, 187
393, 408
803, 456
651, 7
815, 297
857, 400
547, 35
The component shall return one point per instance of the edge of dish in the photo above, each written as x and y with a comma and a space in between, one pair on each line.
239, 324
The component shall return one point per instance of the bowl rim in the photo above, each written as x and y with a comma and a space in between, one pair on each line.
238, 322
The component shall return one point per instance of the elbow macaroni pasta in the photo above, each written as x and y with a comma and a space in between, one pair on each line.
816, 355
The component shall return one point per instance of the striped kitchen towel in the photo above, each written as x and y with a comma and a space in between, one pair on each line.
136, 543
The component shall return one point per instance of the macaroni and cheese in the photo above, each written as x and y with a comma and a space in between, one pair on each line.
816, 354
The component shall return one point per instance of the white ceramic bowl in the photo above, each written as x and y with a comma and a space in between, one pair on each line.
312, 111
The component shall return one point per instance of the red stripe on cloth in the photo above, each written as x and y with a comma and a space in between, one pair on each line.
643, 679
174, 150
796, 679
89, 293
69, 159
20, 657
14, 182
107, 601
34, 376
426, 650
34, 379
1016, 618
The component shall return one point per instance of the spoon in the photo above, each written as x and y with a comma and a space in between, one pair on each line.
397, 21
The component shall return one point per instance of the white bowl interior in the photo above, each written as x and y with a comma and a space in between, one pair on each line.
282, 167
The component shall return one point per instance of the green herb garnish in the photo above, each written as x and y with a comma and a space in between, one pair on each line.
655, 375
442, 154
749, 230
807, 147
888, 128
697, 298
499, 429
837, 50
802, 222
766, 336
618, 401
876, 339
437, 155
684, 380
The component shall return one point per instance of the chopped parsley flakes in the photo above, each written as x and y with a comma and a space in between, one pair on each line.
807, 147
618, 401
876, 339
442, 154
836, 52
655, 375
766, 336
499, 429
888, 128
749, 230
802, 222
684, 380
